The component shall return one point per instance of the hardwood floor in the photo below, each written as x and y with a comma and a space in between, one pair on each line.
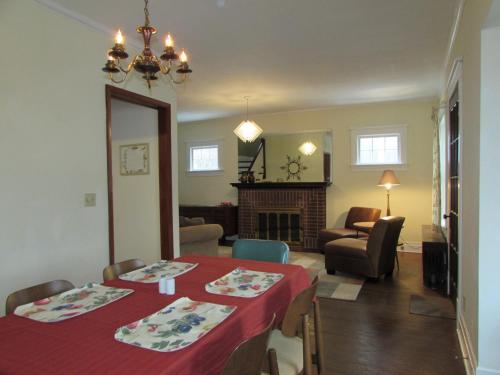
377, 334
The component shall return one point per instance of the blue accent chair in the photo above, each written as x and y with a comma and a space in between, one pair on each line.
263, 250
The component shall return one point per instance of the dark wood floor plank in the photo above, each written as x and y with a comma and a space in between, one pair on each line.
378, 335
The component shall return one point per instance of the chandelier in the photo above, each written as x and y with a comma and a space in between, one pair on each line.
248, 131
147, 63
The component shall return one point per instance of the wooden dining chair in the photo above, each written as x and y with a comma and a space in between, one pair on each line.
248, 357
35, 293
294, 354
114, 270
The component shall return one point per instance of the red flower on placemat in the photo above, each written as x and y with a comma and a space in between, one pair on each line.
192, 306
255, 287
44, 301
221, 282
226, 290
133, 325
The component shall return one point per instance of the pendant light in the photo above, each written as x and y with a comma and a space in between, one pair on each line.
248, 131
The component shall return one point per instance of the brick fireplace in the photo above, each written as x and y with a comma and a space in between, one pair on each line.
290, 212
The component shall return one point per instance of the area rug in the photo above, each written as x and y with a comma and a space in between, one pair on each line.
437, 307
339, 286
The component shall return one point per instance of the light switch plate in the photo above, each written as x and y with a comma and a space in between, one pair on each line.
89, 200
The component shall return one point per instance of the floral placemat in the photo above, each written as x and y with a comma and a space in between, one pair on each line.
71, 303
241, 282
174, 327
153, 272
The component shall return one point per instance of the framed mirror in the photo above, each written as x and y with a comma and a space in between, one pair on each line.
288, 157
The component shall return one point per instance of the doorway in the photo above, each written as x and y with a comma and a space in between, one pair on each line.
164, 167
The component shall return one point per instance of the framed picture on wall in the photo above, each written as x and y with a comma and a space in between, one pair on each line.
134, 159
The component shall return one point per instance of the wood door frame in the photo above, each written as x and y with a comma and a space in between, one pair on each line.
164, 166
455, 82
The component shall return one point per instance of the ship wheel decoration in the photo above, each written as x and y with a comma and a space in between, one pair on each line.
293, 167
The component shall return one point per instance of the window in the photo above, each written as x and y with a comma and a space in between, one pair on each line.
204, 156
375, 147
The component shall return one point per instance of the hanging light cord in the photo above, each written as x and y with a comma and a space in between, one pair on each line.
146, 12
246, 97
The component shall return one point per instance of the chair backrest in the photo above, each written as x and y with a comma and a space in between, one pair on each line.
300, 306
247, 358
35, 293
359, 214
264, 250
383, 241
114, 270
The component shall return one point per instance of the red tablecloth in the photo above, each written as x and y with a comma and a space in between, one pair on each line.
86, 344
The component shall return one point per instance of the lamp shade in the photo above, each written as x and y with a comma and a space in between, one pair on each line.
307, 148
248, 131
388, 179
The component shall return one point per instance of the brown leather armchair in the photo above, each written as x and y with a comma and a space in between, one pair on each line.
371, 258
355, 215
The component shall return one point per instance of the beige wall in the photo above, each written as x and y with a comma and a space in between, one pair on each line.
468, 47
350, 187
136, 201
53, 147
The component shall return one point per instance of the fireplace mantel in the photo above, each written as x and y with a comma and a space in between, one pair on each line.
281, 185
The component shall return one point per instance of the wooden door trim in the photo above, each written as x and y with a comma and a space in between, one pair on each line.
164, 161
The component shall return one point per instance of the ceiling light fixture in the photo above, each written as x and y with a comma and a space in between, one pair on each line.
248, 131
146, 63
307, 148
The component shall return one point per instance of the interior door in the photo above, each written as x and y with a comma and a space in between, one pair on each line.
454, 186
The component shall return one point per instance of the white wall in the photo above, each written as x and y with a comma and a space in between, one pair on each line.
489, 202
467, 46
136, 201
53, 147
413, 199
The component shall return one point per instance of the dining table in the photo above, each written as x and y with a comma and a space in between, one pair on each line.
85, 344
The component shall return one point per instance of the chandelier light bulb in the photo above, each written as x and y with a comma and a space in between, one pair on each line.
248, 131
169, 41
119, 38
110, 58
183, 57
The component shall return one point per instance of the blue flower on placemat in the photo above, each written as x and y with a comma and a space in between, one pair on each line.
63, 307
168, 311
181, 327
244, 286
193, 319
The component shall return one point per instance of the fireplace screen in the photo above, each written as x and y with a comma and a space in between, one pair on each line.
280, 225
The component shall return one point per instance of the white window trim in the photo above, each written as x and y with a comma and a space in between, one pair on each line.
212, 142
399, 130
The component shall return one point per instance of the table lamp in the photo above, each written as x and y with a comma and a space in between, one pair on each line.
388, 180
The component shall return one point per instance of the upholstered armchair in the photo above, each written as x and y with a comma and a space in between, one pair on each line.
196, 237
371, 258
355, 215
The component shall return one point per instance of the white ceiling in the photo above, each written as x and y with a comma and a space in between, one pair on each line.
292, 54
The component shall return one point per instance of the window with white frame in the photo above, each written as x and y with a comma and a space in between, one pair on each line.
204, 156
381, 146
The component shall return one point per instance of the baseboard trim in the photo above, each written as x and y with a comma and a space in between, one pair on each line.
410, 247
469, 357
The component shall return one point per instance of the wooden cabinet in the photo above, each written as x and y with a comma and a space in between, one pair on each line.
435, 258
225, 216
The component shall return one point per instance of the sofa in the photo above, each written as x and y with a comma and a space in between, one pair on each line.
196, 237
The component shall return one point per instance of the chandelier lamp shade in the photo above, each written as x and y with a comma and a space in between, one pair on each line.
248, 131
388, 180
146, 63
307, 148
